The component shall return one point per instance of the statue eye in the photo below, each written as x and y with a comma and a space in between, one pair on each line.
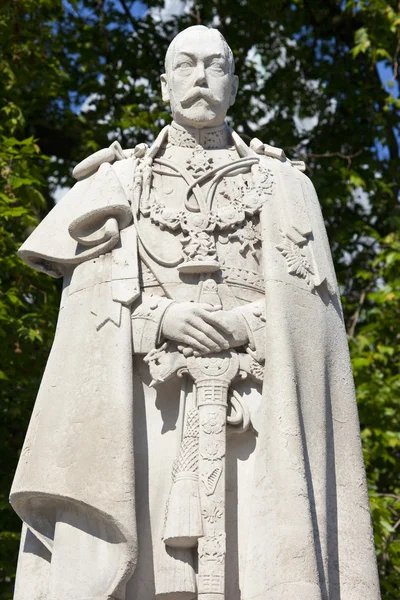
217, 66
184, 65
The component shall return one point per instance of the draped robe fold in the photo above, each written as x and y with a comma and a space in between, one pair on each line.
309, 533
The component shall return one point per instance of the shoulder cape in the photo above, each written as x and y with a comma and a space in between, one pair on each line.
78, 450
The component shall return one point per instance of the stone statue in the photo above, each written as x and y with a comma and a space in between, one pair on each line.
195, 434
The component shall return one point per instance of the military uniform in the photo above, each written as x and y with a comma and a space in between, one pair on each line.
201, 248
226, 247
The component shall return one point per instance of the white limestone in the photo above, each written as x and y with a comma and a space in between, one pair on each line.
196, 433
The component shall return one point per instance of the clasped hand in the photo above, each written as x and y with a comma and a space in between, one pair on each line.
203, 327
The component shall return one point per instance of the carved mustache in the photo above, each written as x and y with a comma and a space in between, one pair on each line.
197, 93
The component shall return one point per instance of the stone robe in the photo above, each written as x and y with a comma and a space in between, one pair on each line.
95, 471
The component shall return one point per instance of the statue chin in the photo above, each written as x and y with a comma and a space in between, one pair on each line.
198, 116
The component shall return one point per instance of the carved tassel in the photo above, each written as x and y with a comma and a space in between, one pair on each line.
175, 577
183, 525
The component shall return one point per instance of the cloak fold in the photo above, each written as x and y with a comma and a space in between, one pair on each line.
85, 224
310, 501
78, 455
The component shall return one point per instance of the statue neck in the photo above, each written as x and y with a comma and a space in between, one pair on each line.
208, 137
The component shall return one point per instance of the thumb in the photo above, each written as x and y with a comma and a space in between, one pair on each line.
210, 307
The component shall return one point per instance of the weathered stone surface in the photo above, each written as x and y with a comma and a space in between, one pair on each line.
196, 432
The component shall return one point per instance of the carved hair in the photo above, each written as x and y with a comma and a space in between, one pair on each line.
199, 28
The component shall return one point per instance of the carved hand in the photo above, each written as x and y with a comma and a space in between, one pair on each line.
195, 325
233, 325
203, 327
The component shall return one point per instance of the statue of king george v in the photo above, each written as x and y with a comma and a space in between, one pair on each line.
147, 472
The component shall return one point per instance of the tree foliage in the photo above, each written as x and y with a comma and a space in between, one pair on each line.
319, 79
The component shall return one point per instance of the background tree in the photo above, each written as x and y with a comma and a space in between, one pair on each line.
319, 79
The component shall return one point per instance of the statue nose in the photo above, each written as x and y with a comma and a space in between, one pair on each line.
200, 75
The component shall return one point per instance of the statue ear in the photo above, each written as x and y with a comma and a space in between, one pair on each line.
164, 87
234, 89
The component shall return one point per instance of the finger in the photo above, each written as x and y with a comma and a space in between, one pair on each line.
197, 331
209, 307
217, 321
185, 350
196, 353
196, 345
203, 339
210, 332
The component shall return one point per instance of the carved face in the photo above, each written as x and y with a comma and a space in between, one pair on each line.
199, 84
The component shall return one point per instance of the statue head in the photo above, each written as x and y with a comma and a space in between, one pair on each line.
199, 80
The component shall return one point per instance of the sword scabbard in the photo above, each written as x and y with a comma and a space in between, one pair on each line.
212, 375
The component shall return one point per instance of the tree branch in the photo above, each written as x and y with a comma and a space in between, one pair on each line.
128, 13
383, 495
356, 315
195, 14
348, 157
396, 73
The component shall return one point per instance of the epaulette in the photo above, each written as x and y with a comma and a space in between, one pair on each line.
90, 165
266, 150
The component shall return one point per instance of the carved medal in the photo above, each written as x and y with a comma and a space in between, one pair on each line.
202, 217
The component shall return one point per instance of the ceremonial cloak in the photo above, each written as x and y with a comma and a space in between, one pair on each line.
310, 534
